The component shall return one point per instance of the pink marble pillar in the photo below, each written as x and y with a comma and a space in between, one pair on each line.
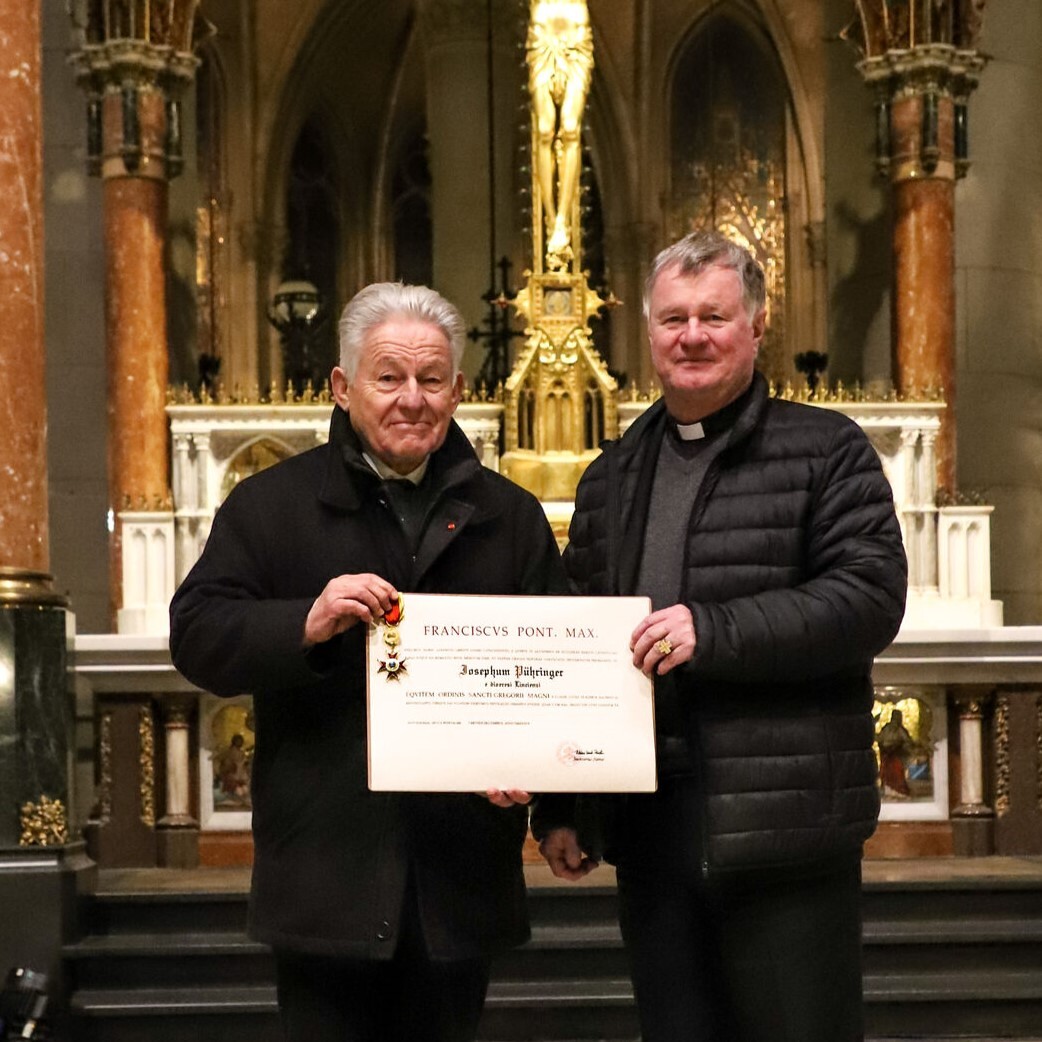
922, 63
23, 404
133, 64
924, 265
135, 195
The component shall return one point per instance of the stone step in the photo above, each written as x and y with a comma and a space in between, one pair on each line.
944, 958
574, 1010
131, 961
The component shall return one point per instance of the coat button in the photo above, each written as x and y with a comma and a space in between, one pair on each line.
385, 931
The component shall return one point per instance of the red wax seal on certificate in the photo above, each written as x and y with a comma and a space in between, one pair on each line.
566, 752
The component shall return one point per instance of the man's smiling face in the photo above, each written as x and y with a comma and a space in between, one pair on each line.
403, 393
703, 340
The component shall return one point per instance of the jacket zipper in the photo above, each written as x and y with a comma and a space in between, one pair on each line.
709, 480
613, 510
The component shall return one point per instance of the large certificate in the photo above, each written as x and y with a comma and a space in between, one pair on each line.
536, 693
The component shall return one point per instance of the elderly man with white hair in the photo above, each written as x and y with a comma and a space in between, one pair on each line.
383, 909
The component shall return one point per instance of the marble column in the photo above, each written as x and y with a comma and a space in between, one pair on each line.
43, 867
973, 824
133, 69
177, 832
34, 716
922, 69
23, 410
135, 210
923, 319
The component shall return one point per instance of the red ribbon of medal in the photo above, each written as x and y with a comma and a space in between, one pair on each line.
393, 665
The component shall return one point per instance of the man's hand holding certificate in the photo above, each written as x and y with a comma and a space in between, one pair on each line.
535, 693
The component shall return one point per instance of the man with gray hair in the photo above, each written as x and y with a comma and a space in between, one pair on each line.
383, 909
764, 533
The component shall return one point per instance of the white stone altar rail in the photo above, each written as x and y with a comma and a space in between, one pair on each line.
216, 445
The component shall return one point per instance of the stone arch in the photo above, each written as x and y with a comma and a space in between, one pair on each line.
255, 455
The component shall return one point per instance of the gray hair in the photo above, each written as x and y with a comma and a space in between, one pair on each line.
384, 301
700, 250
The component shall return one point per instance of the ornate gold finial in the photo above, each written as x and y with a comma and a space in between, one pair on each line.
43, 824
825, 393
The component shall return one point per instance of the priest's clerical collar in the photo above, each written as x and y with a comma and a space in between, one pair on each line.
386, 472
690, 431
712, 424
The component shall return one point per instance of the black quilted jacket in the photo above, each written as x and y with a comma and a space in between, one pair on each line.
795, 574
332, 859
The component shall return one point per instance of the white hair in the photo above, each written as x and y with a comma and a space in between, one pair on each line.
700, 250
383, 301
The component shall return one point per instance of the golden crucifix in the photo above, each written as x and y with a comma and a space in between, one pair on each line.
559, 52
560, 397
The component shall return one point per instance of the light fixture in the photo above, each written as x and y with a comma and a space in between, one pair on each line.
297, 312
297, 304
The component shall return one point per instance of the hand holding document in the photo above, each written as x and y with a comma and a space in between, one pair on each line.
467, 693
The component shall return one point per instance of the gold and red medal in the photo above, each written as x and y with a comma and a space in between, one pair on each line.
393, 665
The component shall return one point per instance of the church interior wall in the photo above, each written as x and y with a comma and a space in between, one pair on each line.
999, 303
74, 337
231, 55
405, 128
622, 120
857, 240
796, 30
364, 69
457, 121
614, 137
183, 343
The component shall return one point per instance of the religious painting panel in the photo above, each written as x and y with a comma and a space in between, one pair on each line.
911, 743
226, 738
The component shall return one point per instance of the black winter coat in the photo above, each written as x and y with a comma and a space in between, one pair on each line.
795, 574
331, 858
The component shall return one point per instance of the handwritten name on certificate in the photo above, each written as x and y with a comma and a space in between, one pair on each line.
535, 693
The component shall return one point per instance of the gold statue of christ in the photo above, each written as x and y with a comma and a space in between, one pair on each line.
560, 400
559, 52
